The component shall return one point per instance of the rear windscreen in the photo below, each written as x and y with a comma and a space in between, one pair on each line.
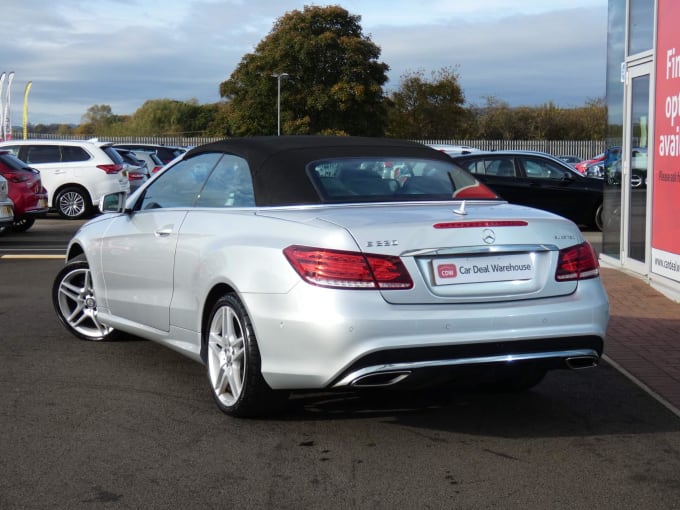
381, 180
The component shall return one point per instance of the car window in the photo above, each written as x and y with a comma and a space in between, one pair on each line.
475, 166
499, 167
36, 154
115, 156
72, 154
229, 185
14, 149
375, 179
180, 185
536, 168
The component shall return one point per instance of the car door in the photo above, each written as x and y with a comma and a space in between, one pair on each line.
551, 187
500, 173
138, 253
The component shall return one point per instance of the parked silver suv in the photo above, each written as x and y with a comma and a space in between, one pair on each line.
75, 173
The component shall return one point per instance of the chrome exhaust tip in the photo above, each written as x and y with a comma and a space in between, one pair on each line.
581, 362
380, 379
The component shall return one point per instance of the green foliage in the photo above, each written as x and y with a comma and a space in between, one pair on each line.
334, 81
422, 109
496, 120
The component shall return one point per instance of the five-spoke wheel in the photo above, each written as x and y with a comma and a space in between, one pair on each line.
75, 302
233, 362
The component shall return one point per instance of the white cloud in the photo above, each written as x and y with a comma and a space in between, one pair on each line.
124, 52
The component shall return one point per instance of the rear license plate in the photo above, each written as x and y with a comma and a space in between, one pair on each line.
7, 211
42, 203
497, 268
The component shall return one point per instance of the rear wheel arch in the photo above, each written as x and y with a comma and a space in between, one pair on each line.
215, 293
79, 188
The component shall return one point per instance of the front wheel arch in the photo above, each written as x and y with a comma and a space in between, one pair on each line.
75, 302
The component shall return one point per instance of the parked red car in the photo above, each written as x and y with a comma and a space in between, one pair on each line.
582, 165
25, 190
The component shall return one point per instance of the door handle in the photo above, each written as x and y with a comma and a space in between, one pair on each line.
163, 232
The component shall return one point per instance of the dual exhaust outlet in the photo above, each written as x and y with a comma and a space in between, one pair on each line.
392, 377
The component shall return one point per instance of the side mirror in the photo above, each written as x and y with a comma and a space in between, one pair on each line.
113, 202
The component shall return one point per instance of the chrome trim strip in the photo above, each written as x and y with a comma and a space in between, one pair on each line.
508, 248
501, 358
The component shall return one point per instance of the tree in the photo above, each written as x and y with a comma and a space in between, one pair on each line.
160, 117
334, 82
497, 120
494, 119
428, 109
96, 119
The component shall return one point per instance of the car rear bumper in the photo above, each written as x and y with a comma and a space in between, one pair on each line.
389, 367
320, 338
34, 213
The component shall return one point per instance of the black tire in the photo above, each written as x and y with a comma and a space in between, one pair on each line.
73, 203
234, 365
74, 301
22, 224
597, 221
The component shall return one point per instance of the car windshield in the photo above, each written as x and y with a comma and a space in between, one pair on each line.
380, 180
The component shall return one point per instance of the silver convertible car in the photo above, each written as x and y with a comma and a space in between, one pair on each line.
316, 263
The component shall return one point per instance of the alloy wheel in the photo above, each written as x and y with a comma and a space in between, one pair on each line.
226, 355
77, 304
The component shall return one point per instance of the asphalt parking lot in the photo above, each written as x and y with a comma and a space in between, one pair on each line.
130, 424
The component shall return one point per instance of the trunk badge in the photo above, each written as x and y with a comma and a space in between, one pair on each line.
488, 236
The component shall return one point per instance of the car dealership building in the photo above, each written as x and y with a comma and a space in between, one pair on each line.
642, 192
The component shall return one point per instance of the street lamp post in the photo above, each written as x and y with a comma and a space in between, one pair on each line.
278, 77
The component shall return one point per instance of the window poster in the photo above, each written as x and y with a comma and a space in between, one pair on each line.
666, 179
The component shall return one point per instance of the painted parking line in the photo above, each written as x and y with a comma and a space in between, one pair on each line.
31, 256
656, 396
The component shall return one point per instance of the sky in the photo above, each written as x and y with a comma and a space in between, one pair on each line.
80, 53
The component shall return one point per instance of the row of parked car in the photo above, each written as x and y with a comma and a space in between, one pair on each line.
70, 176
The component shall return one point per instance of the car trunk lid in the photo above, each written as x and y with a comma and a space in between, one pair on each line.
455, 253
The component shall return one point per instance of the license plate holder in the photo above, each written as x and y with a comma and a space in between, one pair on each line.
483, 269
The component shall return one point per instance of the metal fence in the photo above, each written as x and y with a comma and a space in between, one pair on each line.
584, 149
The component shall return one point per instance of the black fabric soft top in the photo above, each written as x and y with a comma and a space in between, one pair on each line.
278, 163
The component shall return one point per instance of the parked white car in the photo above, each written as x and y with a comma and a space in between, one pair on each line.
297, 263
6, 205
153, 162
76, 174
454, 150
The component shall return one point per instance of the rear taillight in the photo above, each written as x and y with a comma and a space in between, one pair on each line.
111, 169
577, 263
156, 169
348, 270
135, 176
17, 176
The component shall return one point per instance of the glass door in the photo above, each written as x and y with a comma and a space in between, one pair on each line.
636, 157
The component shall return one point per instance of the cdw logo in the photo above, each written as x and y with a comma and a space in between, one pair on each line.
447, 271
